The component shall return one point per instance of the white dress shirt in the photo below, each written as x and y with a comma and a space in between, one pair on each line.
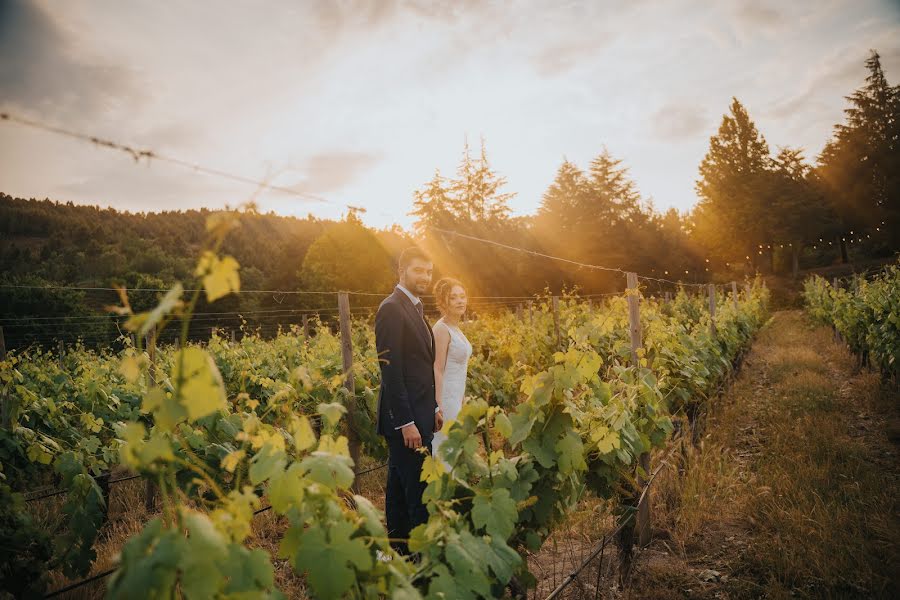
415, 300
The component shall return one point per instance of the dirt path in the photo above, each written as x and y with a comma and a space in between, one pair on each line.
793, 492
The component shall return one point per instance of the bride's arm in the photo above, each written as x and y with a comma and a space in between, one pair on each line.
441, 345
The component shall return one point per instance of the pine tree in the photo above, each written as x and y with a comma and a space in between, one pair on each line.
860, 165
732, 214
476, 195
562, 205
433, 206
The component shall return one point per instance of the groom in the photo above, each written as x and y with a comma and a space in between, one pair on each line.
407, 414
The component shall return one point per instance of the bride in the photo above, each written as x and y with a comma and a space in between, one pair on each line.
451, 356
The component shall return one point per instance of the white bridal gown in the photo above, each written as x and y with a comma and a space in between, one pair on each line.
453, 389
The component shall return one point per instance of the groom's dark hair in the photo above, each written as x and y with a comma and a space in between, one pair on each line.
410, 254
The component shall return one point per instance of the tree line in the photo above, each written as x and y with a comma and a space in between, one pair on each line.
756, 211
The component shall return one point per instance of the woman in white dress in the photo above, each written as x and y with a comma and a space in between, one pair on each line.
451, 354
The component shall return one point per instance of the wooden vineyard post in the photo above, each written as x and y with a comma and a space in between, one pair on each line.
712, 309
556, 319
667, 298
636, 334
61, 348
519, 312
305, 327
347, 355
531, 312
734, 296
232, 336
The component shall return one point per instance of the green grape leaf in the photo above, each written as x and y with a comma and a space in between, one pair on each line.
371, 517
248, 570
330, 470
467, 568
266, 463
202, 391
167, 412
303, 434
286, 488
328, 554
503, 425
571, 453
496, 513
332, 412
220, 275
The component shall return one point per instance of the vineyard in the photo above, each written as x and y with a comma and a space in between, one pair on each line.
561, 404
866, 316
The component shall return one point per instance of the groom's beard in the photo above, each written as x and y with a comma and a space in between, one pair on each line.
420, 288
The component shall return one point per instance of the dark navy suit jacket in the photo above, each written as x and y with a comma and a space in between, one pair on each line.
406, 354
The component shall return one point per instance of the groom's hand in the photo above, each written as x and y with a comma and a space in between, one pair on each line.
439, 420
411, 436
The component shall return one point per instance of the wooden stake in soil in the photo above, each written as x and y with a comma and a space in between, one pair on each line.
347, 355
734, 297
643, 510
712, 310
305, 326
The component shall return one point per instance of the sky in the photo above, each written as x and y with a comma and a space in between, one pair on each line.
359, 102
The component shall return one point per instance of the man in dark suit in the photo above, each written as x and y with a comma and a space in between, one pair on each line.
408, 414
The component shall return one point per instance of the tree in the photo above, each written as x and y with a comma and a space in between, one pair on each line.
347, 256
860, 165
433, 206
476, 195
800, 213
731, 215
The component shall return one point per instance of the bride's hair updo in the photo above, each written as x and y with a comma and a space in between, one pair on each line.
442, 290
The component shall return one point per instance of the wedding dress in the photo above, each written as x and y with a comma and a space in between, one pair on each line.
453, 389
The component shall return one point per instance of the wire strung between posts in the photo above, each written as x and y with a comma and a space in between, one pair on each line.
557, 258
59, 492
599, 550
357, 474
526, 251
81, 583
138, 154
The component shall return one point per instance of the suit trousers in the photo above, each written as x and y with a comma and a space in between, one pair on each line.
403, 505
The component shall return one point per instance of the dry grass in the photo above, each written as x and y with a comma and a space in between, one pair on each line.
793, 490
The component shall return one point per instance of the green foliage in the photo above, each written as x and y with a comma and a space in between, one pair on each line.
345, 255
867, 315
218, 428
25, 552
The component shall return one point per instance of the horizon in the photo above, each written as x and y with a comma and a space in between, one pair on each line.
360, 103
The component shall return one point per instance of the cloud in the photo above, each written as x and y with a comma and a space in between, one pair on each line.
39, 68
333, 171
678, 121
755, 14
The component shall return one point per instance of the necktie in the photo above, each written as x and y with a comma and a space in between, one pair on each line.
420, 309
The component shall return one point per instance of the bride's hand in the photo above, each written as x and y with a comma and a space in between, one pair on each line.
439, 420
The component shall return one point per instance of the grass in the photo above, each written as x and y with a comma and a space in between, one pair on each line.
794, 484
